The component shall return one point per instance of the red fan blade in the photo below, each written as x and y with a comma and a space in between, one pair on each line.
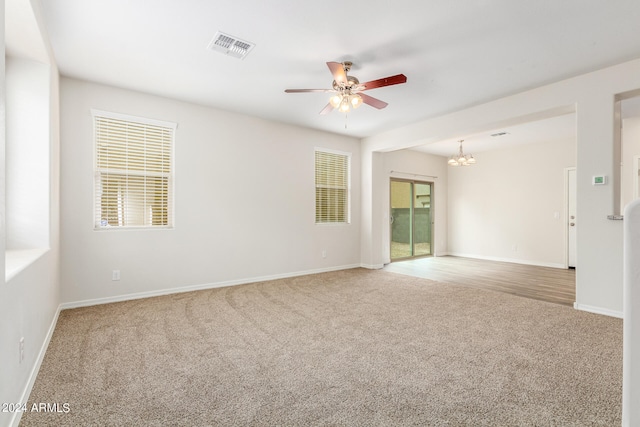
337, 69
327, 109
387, 81
308, 90
374, 102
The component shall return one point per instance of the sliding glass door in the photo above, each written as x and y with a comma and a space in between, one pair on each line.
411, 219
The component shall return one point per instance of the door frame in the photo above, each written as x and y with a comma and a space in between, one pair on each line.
636, 169
432, 217
567, 220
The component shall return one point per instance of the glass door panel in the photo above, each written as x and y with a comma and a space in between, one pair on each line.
411, 219
422, 219
401, 220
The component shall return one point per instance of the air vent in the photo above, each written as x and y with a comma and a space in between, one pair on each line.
230, 45
500, 134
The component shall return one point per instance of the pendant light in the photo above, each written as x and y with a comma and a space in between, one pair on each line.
461, 159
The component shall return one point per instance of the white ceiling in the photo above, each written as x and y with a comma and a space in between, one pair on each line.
555, 129
455, 54
558, 128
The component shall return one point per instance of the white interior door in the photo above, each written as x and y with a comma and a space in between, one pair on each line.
571, 217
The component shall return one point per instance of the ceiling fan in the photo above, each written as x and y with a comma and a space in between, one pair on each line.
348, 89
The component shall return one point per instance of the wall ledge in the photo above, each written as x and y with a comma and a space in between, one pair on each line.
17, 260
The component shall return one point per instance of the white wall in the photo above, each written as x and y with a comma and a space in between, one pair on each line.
244, 202
29, 300
510, 206
408, 164
592, 97
8, 390
27, 154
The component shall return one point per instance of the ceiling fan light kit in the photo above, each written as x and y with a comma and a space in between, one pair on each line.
345, 102
347, 90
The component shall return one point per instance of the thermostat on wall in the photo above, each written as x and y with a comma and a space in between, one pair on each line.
599, 180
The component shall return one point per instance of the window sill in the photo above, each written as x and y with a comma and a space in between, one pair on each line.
132, 228
16, 260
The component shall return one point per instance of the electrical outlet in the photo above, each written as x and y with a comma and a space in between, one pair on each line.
21, 349
324, 253
115, 275
514, 248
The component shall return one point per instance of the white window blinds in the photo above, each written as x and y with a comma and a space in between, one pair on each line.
134, 172
332, 186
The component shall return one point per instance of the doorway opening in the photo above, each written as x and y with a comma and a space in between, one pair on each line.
411, 219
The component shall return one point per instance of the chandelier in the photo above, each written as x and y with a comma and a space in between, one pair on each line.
461, 159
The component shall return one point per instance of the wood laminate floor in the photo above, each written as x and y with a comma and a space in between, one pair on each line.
555, 285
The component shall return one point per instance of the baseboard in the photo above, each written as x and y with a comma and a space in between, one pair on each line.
598, 310
372, 266
511, 260
149, 294
24, 398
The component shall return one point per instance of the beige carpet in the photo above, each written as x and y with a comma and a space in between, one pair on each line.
348, 348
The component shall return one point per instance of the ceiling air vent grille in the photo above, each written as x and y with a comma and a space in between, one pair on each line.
230, 45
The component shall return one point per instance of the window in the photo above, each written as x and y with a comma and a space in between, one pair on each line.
332, 186
133, 172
